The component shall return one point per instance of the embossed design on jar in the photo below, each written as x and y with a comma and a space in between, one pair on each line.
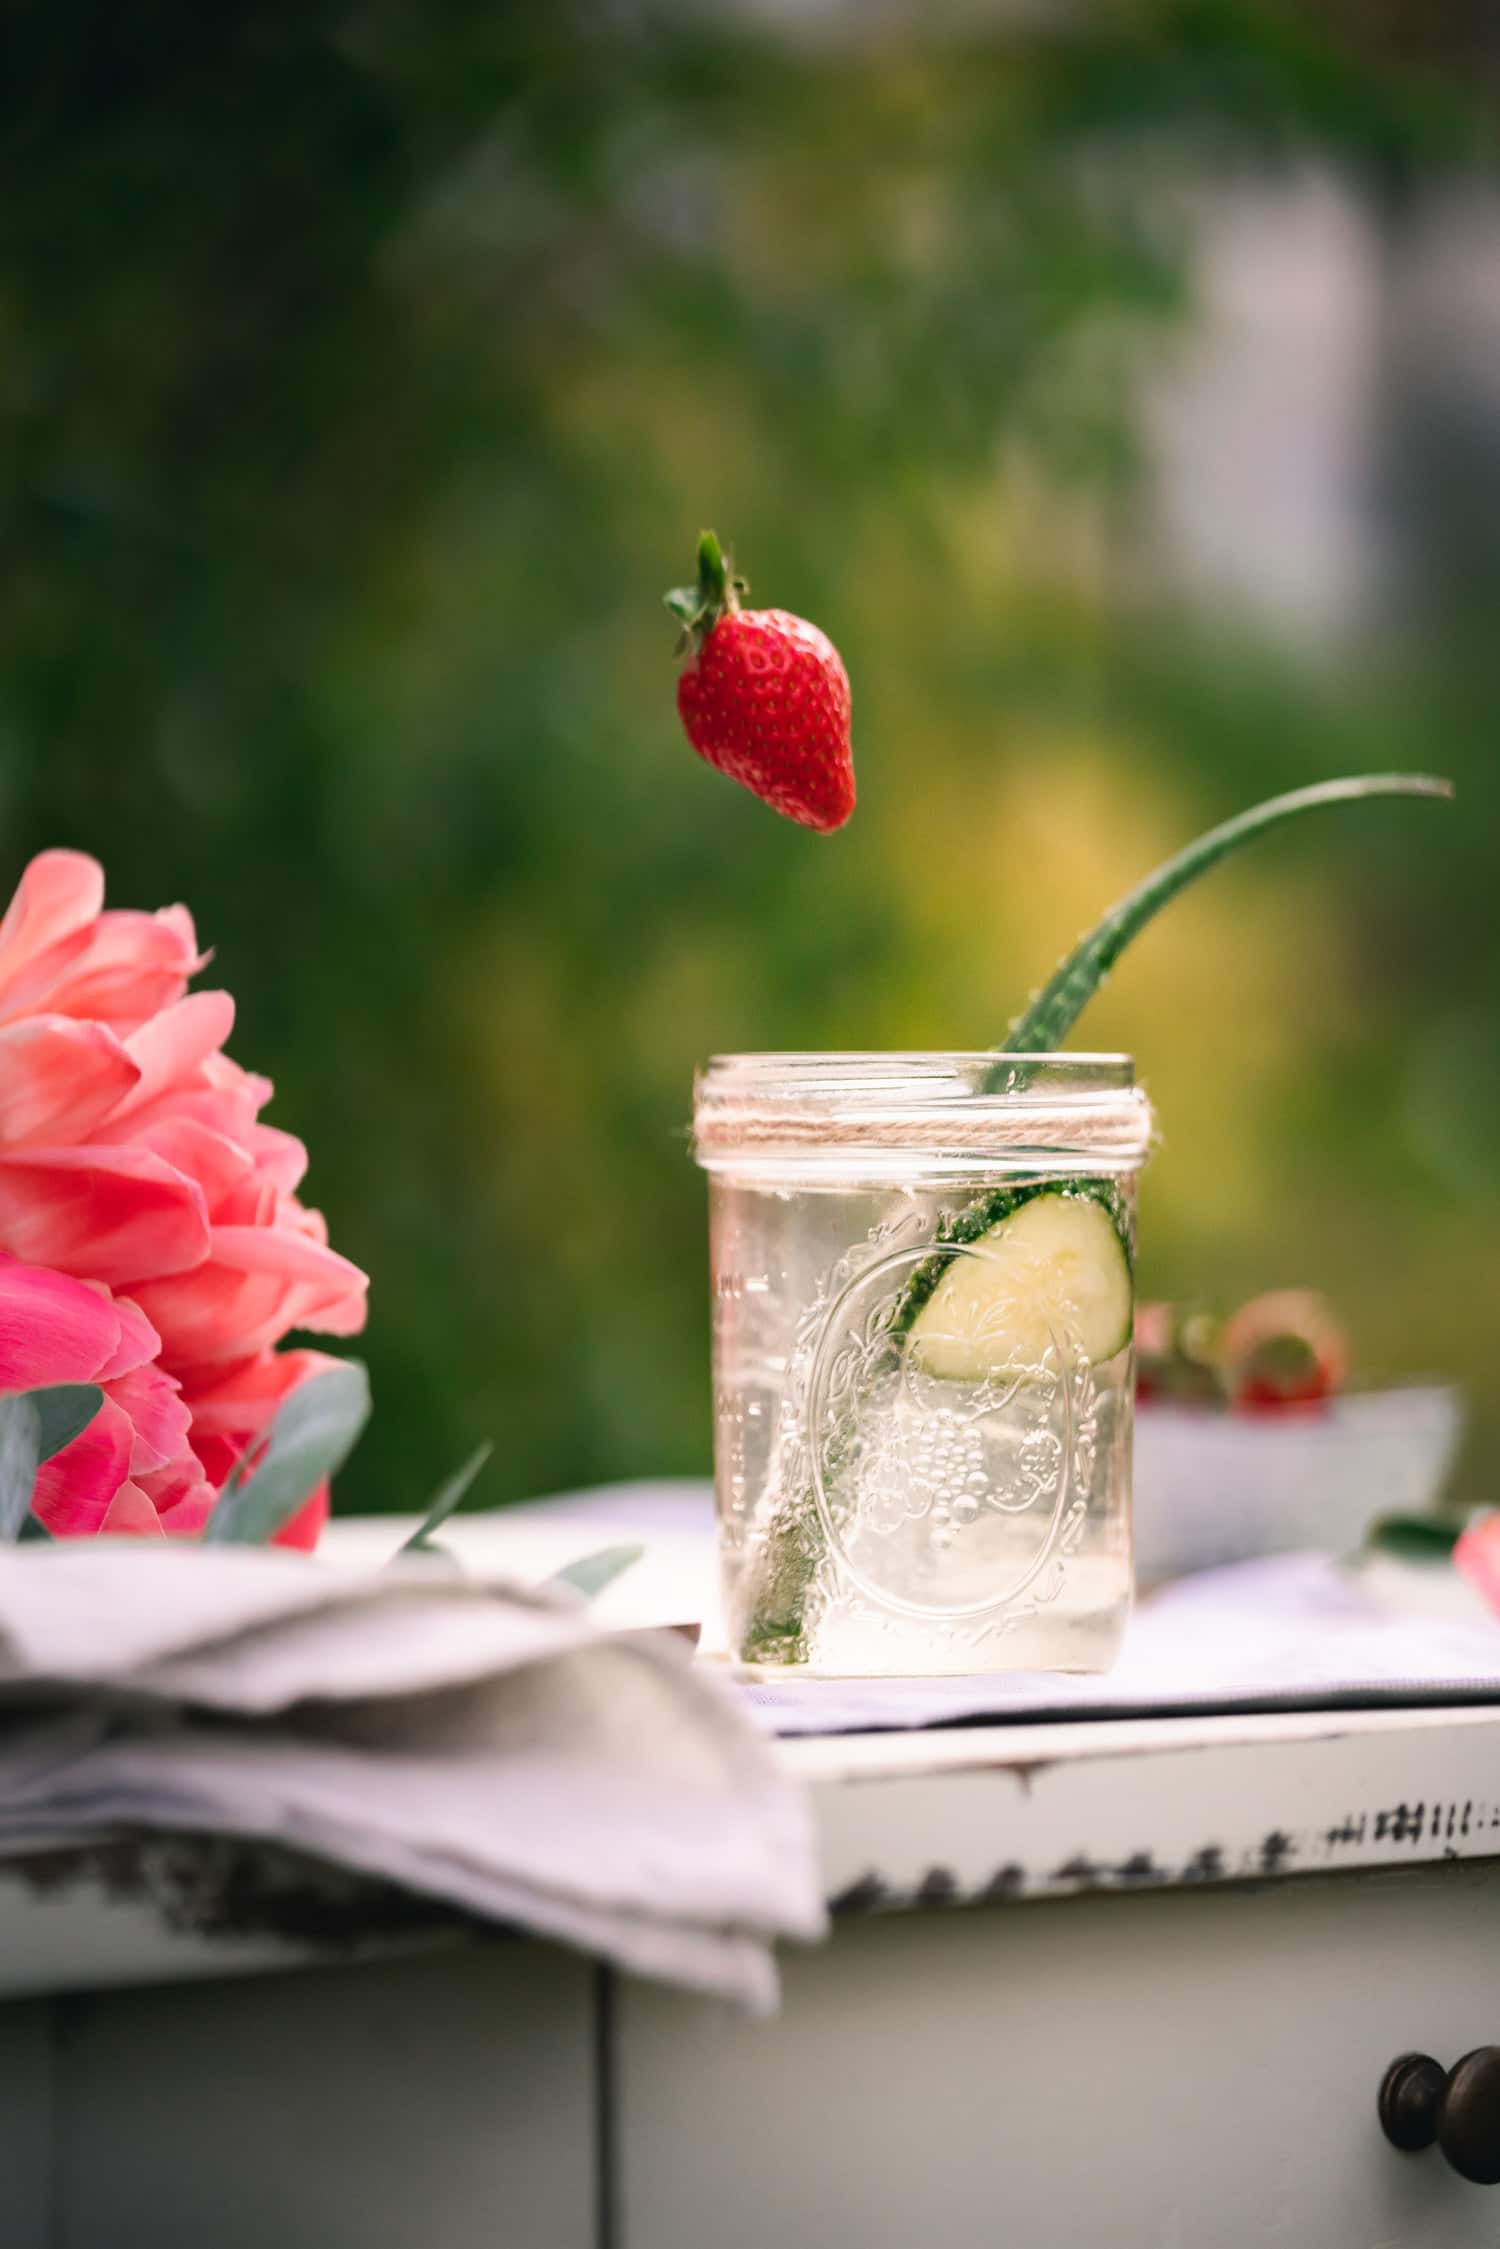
939, 1500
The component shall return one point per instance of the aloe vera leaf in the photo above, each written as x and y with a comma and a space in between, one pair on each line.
1056, 1008
788, 1562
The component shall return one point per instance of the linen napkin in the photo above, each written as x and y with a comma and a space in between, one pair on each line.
473, 1739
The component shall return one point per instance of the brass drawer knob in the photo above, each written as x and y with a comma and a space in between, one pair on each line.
1459, 2108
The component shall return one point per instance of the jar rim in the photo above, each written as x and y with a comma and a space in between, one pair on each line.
1068, 1107
809, 1074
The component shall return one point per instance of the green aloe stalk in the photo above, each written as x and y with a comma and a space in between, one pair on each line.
1057, 1006
793, 1546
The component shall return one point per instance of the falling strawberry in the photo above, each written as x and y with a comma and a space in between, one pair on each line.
764, 697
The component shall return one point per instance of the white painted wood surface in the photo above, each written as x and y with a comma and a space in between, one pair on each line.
1026, 1812
76, 1935
1186, 2058
445, 2103
27, 2118
992, 1812
1188, 2070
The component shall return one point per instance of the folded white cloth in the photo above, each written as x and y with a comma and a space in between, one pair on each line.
475, 1740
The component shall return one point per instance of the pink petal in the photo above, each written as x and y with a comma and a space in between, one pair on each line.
182, 1496
312, 1223
251, 1203
218, 1457
30, 991
58, 1078
158, 1417
216, 1093
288, 1255
133, 966
179, 921
170, 1047
52, 1329
217, 1165
74, 1488
116, 1215
139, 1342
257, 1284
58, 897
279, 1157
130, 1514
238, 1403
227, 1077
227, 1110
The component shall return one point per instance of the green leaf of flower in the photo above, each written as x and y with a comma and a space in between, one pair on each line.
592, 1572
65, 1410
312, 1436
35, 1424
445, 1500
20, 1456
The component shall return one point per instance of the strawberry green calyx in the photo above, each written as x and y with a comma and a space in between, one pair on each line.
717, 594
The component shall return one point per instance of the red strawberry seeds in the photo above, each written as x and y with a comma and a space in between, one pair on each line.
764, 697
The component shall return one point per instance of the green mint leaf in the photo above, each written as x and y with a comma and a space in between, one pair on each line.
312, 1436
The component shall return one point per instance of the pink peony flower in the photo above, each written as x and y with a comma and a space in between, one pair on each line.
151, 1239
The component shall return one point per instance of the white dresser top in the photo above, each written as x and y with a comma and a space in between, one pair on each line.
1035, 1808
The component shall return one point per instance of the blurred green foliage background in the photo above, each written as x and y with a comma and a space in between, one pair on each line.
366, 371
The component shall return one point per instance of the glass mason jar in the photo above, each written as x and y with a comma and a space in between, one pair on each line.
922, 1270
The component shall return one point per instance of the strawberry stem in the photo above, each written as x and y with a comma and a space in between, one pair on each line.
717, 594
715, 590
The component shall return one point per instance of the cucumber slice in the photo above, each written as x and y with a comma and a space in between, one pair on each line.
1052, 1264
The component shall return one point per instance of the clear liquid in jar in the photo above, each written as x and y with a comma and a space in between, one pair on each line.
876, 1518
